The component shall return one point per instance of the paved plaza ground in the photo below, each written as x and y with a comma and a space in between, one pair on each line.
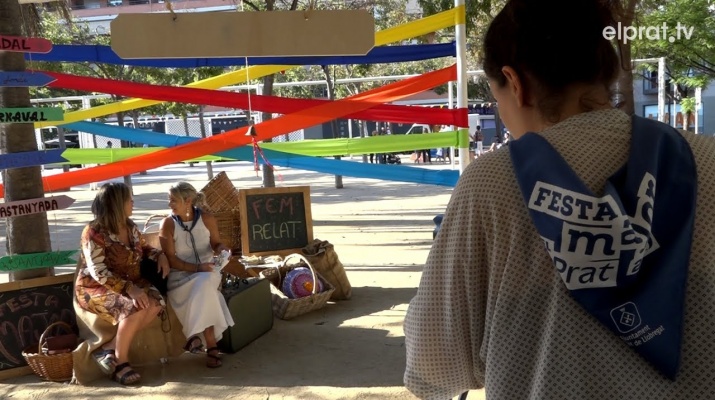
354, 349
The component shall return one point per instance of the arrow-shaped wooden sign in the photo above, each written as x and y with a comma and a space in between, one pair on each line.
34, 206
25, 79
27, 115
25, 44
31, 158
18, 262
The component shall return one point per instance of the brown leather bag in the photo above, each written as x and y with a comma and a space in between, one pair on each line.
61, 343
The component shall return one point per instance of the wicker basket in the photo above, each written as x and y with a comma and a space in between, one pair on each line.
50, 367
229, 229
151, 234
223, 201
283, 306
220, 193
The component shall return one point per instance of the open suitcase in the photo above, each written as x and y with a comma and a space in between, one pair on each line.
249, 301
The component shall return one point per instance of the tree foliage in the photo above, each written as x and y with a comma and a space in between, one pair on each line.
690, 54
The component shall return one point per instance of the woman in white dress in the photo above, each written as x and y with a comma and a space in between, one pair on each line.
190, 238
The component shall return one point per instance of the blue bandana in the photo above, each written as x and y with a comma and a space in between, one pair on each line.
623, 256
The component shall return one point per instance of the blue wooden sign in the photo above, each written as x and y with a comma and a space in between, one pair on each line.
31, 158
24, 79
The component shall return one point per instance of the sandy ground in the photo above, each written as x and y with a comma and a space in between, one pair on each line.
382, 232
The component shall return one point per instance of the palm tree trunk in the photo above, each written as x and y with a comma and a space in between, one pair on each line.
28, 233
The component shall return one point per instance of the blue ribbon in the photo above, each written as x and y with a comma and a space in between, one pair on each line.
378, 55
397, 173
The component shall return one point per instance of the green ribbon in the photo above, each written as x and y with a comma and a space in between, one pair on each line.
311, 147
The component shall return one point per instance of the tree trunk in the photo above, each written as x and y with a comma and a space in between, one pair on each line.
124, 144
625, 78
202, 128
28, 233
269, 178
334, 123
135, 120
364, 133
185, 118
63, 145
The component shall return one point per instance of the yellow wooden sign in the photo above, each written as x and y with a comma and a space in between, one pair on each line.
243, 34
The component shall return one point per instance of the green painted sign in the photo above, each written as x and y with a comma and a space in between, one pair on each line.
30, 115
18, 262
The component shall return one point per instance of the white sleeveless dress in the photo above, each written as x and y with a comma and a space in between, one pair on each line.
195, 297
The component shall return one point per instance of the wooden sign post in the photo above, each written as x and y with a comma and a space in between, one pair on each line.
25, 44
18, 262
34, 206
275, 220
243, 34
27, 308
31, 159
30, 115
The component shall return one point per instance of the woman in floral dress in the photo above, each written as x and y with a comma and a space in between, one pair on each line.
109, 283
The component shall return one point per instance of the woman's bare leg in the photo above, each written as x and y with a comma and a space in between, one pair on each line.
126, 331
211, 348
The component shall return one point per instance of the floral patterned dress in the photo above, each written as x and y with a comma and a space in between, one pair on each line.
106, 265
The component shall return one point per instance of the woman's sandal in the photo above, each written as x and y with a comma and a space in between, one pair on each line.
192, 347
105, 359
214, 360
129, 377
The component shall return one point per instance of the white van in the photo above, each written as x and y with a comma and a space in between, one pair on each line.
419, 128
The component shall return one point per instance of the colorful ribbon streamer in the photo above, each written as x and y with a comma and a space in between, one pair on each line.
268, 129
275, 104
412, 29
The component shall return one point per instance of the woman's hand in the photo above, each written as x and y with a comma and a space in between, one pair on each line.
220, 247
163, 265
141, 299
206, 267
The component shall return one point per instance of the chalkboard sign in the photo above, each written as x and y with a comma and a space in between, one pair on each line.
275, 220
27, 307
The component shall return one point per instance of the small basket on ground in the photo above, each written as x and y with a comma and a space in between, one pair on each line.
285, 307
50, 367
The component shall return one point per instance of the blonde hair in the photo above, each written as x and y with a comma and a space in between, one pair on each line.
108, 206
186, 191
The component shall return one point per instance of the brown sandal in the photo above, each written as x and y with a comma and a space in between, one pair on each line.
129, 377
214, 360
192, 347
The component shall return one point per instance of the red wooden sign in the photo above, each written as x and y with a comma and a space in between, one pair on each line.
25, 44
34, 206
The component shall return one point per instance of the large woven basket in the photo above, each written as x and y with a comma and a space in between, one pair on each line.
229, 229
220, 193
50, 367
223, 201
283, 306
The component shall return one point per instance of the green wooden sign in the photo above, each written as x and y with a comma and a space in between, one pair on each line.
18, 262
30, 115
